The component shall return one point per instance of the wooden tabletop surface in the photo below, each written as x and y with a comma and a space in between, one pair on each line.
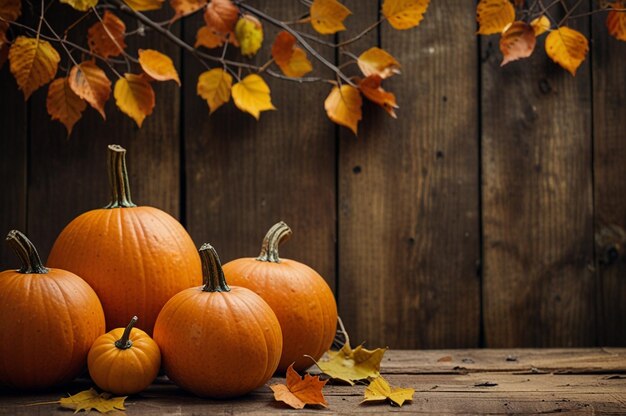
488, 381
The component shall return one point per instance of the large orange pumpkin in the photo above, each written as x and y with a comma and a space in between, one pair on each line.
135, 258
48, 320
218, 341
303, 302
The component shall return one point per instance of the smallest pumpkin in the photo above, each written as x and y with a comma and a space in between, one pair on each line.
124, 361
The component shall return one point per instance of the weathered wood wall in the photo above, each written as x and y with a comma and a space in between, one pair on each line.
491, 213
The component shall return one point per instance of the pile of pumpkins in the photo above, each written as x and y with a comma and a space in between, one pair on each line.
126, 262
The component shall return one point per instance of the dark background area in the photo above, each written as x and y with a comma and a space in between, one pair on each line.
491, 213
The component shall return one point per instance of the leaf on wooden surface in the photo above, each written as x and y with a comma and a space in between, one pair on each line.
249, 33
157, 65
144, 5
184, 7
300, 391
91, 84
343, 106
134, 96
221, 15
33, 63
380, 389
350, 365
517, 42
82, 5
371, 89
10, 10
106, 38
404, 14
616, 21
327, 16
494, 15
63, 104
252, 95
215, 86
90, 400
291, 59
376, 61
567, 47
540, 25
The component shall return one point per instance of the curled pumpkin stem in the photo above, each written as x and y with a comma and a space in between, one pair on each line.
125, 342
212, 273
26, 251
276, 235
118, 178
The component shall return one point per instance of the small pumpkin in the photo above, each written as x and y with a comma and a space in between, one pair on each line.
300, 297
48, 320
124, 361
135, 258
218, 341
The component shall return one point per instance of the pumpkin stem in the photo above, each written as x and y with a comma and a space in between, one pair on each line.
212, 273
26, 251
125, 343
118, 178
275, 236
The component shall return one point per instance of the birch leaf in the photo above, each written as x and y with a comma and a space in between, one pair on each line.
327, 16
106, 38
215, 86
376, 61
517, 42
404, 14
494, 15
157, 65
221, 15
91, 84
144, 5
63, 104
249, 33
252, 95
567, 47
33, 63
371, 89
82, 5
343, 106
135, 97
540, 25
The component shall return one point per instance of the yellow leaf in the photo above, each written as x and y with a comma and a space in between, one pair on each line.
494, 15
616, 21
221, 15
134, 96
540, 25
91, 84
215, 86
33, 63
379, 389
567, 47
404, 14
252, 95
517, 41
291, 59
106, 38
376, 61
144, 5
371, 89
159, 66
343, 106
63, 104
349, 364
185, 7
82, 5
90, 400
300, 391
10, 10
327, 16
249, 33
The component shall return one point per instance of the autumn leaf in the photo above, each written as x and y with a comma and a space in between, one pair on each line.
376, 61
33, 63
249, 33
144, 5
90, 400
343, 106
63, 104
106, 38
221, 15
379, 389
91, 84
517, 42
494, 15
215, 86
300, 391
185, 7
210, 39
82, 5
134, 96
350, 365
371, 89
157, 65
10, 10
567, 47
291, 59
252, 95
327, 16
404, 14
616, 21
540, 25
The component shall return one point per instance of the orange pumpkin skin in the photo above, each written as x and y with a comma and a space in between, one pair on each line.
124, 366
48, 321
218, 344
303, 302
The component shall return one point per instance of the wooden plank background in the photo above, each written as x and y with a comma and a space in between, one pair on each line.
491, 213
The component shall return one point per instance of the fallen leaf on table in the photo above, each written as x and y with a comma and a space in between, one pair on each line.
350, 365
300, 391
380, 389
90, 400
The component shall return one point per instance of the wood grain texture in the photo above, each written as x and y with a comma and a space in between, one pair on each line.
609, 125
408, 209
538, 281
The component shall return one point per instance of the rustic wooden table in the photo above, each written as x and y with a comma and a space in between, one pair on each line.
515, 381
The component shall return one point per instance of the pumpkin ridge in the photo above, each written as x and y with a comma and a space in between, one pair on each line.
66, 308
137, 223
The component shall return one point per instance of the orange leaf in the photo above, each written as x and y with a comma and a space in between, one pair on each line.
540, 25
343, 106
10, 10
567, 47
517, 41
300, 391
159, 66
327, 16
134, 96
404, 14
144, 5
63, 104
91, 84
291, 59
185, 7
221, 15
616, 21
210, 39
106, 38
252, 95
33, 63
371, 89
494, 15
214, 86
378, 61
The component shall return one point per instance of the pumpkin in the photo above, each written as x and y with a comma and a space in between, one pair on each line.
134, 257
303, 302
48, 320
124, 361
218, 341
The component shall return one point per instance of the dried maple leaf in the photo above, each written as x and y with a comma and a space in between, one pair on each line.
616, 21
157, 65
249, 33
567, 47
291, 59
540, 25
494, 15
106, 38
350, 365
379, 389
371, 89
300, 391
378, 61
327, 16
221, 15
517, 42
252, 95
343, 106
134, 96
404, 14
33, 63
90, 400
91, 84
63, 104
215, 86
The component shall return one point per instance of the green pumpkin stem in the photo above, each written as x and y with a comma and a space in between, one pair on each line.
125, 343
212, 273
118, 178
279, 233
26, 251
